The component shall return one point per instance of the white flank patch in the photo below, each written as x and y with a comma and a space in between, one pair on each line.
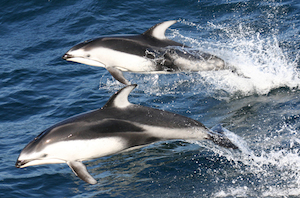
191, 133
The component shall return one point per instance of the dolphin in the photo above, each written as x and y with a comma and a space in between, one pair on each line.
150, 52
116, 127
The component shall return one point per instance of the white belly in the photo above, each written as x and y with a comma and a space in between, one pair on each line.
81, 150
124, 61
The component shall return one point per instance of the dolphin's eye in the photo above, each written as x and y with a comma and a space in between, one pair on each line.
88, 55
45, 155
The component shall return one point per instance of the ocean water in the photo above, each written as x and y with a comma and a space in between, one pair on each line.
259, 102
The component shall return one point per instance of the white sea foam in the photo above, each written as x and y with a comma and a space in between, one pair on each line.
234, 192
275, 169
258, 63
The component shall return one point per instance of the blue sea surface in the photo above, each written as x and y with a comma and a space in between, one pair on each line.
259, 102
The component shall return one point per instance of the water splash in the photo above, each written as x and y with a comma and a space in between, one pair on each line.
258, 62
266, 170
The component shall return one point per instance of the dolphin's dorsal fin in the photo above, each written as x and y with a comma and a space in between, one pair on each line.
120, 99
80, 170
158, 30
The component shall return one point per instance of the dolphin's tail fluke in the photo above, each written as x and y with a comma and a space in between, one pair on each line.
217, 135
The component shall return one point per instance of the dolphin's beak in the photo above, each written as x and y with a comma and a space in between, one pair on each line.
67, 56
21, 163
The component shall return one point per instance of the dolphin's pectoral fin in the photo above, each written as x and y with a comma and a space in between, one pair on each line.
118, 75
218, 137
80, 170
